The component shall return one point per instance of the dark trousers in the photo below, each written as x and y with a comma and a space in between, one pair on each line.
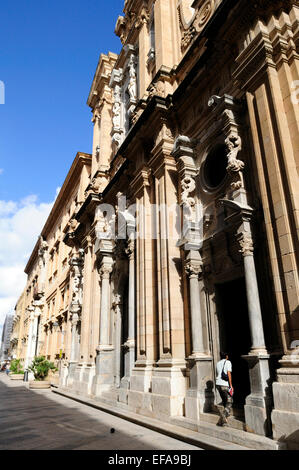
227, 400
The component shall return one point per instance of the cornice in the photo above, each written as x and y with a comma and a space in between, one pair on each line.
101, 78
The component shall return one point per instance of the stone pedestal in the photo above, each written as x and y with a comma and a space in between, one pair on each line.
200, 396
71, 373
169, 388
139, 394
104, 376
285, 416
259, 403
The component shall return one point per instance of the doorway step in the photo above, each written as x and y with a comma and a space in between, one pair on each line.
233, 436
213, 418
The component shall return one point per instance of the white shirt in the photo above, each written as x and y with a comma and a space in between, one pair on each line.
227, 368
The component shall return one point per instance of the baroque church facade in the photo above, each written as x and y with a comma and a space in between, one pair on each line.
177, 238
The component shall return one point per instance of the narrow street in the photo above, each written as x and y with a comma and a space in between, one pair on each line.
42, 420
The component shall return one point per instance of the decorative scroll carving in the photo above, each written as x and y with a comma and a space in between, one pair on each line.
188, 186
226, 109
235, 166
191, 22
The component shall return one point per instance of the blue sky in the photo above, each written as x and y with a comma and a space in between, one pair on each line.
48, 55
49, 50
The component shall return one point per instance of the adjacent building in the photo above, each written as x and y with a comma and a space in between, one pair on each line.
178, 236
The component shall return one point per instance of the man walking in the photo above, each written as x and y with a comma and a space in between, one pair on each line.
224, 387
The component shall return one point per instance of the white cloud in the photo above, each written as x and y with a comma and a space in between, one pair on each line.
20, 225
1, 171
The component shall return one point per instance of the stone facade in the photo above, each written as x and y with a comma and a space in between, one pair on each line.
184, 241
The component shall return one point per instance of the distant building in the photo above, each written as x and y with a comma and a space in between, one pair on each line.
5, 340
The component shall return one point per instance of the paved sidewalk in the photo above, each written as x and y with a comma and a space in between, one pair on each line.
40, 420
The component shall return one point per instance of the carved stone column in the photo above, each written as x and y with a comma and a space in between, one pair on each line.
258, 403
76, 265
105, 271
193, 269
253, 300
198, 396
130, 343
117, 301
104, 377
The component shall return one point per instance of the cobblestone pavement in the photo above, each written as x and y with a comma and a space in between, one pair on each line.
42, 420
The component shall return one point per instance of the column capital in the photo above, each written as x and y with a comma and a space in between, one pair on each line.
193, 267
246, 243
105, 271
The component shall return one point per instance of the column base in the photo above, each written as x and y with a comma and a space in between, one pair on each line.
258, 404
169, 386
83, 378
200, 396
71, 373
285, 415
141, 376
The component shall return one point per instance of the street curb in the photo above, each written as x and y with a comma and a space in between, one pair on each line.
170, 430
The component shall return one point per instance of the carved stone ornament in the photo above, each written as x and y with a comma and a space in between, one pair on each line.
116, 300
76, 264
193, 268
131, 20
105, 271
204, 14
235, 167
43, 247
227, 113
130, 249
246, 243
116, 110
157, 89
105, 228
192, 22
188, 186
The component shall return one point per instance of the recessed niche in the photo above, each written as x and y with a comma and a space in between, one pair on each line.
214, 171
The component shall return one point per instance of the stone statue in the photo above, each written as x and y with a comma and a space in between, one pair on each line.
132, 87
